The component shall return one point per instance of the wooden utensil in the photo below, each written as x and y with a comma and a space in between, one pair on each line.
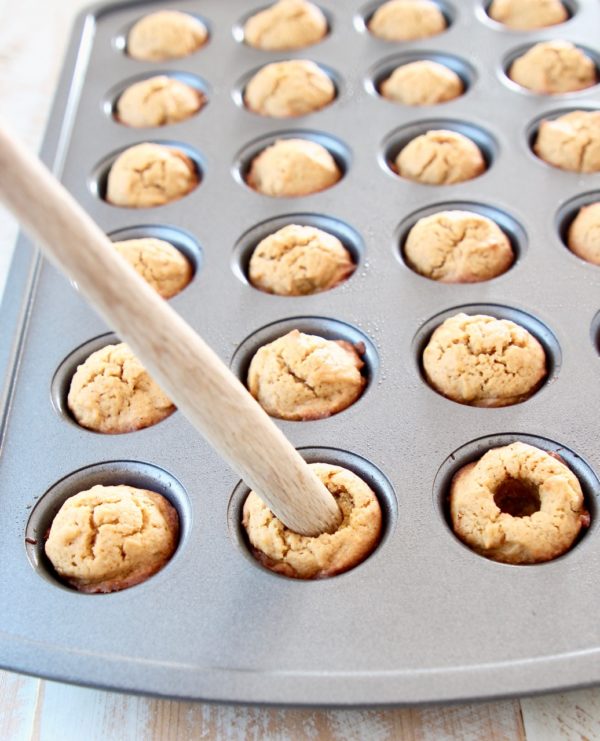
198, 382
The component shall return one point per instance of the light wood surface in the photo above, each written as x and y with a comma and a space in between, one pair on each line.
33, 34
205, 391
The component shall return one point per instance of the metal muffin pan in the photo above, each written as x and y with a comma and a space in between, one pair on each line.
423, 619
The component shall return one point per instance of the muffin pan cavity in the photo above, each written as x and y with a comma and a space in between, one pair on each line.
533, 325
119, 40
519, 51
244, 158
482, 12
61, 381
248, 242
330, 329
98, 178
111, 98
239, 89
181, 240
532, 129
396, 140
595, 332
568, 212
130, 473
364, 14
383, 69
363, 468
238, 27
508, 224
474, 450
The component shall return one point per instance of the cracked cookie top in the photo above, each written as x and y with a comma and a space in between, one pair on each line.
302, 376
517, 504
571, 142
112, 537
148, 175
112, 392
483, 361
552, 67
298, 261
407, 20
584, 233
289, 88
293, 167
288, 24
303, 557
422, 83
158, 101
525, 15
166, 34
158, 262
458, 247
440, 157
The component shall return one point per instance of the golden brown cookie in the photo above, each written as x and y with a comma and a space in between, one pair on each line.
166, 34
301, 376
483, 361
293, 167
158, 101
290, 88
158, 262
299, 260
148, 175
422, 83
571, 142
112, 537
303, 557
553, 67
583, 237
458, 247
112, 392
517, 504
526, 15
440, 157
407, 20
288, 24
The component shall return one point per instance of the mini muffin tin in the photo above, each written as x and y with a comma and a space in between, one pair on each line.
424, 618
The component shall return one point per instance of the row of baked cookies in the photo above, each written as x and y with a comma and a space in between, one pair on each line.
148, 174
449, 246
296, 87
517, 504
296, 24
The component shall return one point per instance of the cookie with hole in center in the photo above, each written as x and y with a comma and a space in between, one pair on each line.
517, 504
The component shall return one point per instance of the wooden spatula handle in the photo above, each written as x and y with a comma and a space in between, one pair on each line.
200, 384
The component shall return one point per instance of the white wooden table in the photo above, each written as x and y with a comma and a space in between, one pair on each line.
33, 34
